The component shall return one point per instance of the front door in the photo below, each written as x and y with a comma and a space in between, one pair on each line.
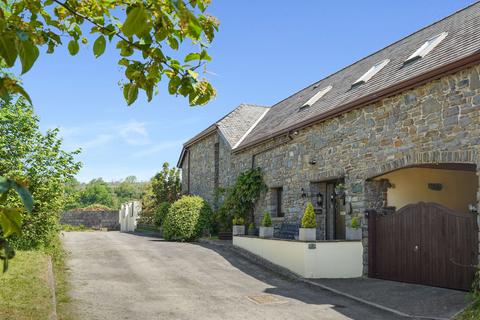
335, 214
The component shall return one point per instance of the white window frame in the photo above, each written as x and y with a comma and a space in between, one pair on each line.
428, 46
317, 96
371, 72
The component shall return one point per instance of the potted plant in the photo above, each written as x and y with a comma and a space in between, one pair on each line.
354, 230
266, 229
238, 228
251, 229
308, 231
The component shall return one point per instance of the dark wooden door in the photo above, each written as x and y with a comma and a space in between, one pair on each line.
424, 243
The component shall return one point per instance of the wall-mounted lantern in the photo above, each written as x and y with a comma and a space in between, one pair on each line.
304, 195
473, 208
319, 198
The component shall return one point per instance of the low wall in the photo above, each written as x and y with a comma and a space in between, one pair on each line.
92, 219
321, 259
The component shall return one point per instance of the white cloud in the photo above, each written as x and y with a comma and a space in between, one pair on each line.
134, 133
100, 140
162, 146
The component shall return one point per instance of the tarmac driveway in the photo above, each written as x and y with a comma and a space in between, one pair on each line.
124, 276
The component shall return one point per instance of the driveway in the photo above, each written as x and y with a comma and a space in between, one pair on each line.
124, 276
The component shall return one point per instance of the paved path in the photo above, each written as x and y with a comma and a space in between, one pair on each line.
125, 276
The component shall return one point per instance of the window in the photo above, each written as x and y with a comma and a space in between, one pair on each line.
315, 98
371, 72
427, 47
277, 201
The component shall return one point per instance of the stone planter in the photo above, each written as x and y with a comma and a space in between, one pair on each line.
307, 234
353, 234
238, 230
266, 232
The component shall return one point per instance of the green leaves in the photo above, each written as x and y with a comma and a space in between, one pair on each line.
28, 53
11, 221
136, 22
8, 50
7, 184
99, 46
130, 92
73, 47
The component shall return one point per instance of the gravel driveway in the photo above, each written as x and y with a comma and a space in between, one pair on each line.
124, 276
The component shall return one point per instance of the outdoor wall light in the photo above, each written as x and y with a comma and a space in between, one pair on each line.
319, 197
472, 208
304, 195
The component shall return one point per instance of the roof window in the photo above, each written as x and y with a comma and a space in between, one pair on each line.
371, 72
427, 47
316, 97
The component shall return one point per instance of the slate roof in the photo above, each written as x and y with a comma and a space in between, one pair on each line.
233, 127
462, 41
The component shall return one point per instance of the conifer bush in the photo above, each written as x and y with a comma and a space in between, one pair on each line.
308, 220
267, 220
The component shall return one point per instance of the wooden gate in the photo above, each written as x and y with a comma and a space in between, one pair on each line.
424, 243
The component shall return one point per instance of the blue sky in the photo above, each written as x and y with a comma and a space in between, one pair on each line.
264, 52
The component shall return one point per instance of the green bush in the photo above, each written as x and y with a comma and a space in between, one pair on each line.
267, 221
238, 221
161, 213
355, 223
187, 219
308, 220
251, 227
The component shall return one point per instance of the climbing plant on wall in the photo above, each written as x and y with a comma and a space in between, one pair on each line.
241, 198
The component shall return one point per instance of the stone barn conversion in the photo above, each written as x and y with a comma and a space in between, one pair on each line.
392, 139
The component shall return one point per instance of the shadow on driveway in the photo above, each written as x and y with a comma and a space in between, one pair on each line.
411, 299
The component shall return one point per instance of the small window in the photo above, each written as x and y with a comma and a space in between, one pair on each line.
371, 72
427, 47
277, 201
316, 97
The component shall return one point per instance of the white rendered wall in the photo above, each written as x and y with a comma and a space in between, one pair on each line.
329, 259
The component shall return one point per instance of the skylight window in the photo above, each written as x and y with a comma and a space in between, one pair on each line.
316, 97
371, 72
427, 47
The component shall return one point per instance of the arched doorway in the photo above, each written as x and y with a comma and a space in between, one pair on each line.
425, 230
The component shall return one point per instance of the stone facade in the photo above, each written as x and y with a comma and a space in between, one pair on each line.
92, 219
433, 123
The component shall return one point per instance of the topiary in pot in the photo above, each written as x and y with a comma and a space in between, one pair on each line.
238, 228
187, 219
266, 229
307, 232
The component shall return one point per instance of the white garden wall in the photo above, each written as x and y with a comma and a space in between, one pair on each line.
324, 259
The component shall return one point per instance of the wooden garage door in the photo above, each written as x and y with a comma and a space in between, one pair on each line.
424, 243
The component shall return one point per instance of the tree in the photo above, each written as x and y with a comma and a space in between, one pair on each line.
148, 34
37, 160
166, 185
127, 190
97, 191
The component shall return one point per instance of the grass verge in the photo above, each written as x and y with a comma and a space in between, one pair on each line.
24, 289
471, 313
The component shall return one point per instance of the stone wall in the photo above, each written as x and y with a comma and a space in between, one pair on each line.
432, 123
92, 219
435, 122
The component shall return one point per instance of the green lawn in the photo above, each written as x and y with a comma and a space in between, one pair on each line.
24, 291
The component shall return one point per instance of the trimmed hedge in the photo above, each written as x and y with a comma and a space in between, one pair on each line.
161, 213
187, 219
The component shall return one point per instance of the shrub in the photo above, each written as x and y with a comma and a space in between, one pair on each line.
238, 221
355, 223
187, 218
308, 220
161, 213
267, 221
251, 227
94, 207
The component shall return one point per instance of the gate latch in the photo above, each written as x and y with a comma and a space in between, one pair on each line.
415, 248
